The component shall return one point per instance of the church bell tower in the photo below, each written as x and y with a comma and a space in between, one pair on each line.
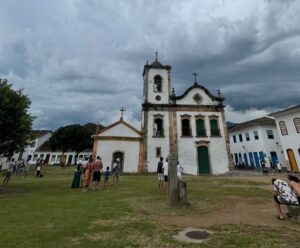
155, 121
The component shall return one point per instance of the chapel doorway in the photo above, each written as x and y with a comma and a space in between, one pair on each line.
120, 156
293, 163
203, 160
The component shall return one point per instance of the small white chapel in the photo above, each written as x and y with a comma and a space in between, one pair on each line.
191, 126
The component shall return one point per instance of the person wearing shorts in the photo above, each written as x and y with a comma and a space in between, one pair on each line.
160, 174
106, 176
283, 194
116, 170
97, 167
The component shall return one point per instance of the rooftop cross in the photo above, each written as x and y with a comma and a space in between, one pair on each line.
195, 75
156, 55
122, 110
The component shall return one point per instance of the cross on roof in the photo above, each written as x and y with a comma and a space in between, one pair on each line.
122, 110
195, 75
156, 55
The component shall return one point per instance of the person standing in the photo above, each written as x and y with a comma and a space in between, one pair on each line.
278, 166
82, 177
11, 166
160, 174
116, 171
88, 172
106, 176
166, 172
263, 166
38, 168
77, 176
179, 171
97, 168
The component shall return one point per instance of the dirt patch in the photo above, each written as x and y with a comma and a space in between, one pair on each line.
99, 236
242, 212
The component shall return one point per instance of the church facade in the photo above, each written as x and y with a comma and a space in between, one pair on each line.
190, 126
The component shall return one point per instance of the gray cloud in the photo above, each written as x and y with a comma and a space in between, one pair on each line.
80, 61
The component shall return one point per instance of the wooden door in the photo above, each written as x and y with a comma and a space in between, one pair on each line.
203, 160
293, 163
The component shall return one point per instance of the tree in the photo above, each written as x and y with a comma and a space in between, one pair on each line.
72, 137
15, 121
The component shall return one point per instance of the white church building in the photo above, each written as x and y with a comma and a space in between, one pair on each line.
288, 125
191, 126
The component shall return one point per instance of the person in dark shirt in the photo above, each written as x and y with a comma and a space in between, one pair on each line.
106, 176
160, 174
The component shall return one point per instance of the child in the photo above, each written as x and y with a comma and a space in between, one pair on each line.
106, 175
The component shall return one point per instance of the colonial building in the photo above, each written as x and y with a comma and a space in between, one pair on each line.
51, 157
288, 125
191, 126
254, 140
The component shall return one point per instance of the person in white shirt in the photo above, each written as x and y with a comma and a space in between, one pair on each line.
179, 171
166, 170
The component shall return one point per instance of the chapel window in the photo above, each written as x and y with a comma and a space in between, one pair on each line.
185, 126
255, 133
158, 130
214, 126
247, 136
283, 128
157, 83
234, 138
270, 134
158, 152
200, 127
241, 137
297, 124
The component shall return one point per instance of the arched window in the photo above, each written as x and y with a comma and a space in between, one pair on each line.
297, 124
185, 127
158, 130
157, 83
283, 128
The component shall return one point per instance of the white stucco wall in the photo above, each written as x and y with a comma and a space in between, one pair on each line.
292, 140
187, 148
130, 149
120, 130
188, 99
55, 156
263, 144
153, 142
165, 86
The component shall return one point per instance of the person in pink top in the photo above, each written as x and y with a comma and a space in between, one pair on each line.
97, 168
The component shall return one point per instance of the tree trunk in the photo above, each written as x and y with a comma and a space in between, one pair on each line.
173, 193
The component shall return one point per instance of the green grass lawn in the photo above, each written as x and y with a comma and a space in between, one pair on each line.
45, 212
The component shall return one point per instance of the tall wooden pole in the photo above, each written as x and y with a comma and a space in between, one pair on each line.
173, 193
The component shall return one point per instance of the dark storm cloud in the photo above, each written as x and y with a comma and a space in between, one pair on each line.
80, 61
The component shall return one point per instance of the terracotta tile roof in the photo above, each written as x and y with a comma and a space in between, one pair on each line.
297, 107
264, 121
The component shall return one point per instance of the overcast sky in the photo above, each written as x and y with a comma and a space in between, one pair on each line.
80, 61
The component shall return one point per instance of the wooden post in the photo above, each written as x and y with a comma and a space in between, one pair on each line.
173, 194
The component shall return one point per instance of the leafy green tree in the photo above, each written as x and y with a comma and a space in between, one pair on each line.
15, 121
72, 137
